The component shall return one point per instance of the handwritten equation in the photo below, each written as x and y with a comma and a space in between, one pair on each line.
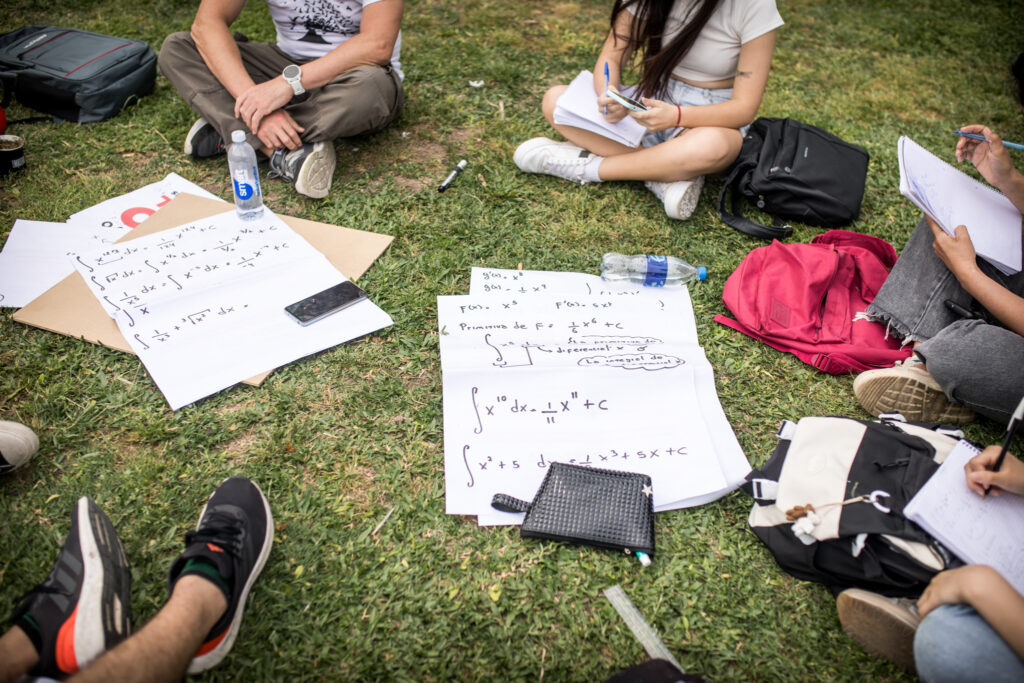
130, 277
479, 464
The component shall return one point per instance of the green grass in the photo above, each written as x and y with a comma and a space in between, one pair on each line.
338, 439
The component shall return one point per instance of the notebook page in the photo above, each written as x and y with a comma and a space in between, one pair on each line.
954, 198
978, 530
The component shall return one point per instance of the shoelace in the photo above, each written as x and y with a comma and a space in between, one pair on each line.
220, 529
568, 166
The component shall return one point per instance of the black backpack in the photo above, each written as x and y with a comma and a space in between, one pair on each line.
829, 503
74, 75
794, 171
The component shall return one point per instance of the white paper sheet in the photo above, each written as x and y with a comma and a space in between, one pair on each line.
615, 380
954, 198
578, 107
127, 211
38, 255
732, 461
978, 530
202, 304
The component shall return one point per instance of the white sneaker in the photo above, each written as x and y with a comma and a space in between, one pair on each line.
18, 444
560, 159
680, 198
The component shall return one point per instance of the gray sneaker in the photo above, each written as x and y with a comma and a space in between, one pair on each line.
310, 168
203, 141
883, 626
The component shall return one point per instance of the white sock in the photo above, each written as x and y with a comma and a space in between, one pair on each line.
590, 170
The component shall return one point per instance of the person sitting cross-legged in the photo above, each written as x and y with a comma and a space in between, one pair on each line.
334, 72
961, 365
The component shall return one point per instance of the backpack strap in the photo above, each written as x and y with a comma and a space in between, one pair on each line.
778, 229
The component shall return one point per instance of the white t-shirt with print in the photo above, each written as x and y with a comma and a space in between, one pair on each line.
307, 29
716, 52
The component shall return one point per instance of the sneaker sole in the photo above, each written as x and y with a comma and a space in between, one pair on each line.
878, 627
104, 598
683, 206
317, 172
213, 657
191, 134
917, 399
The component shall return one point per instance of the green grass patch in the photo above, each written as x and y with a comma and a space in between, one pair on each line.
339, 439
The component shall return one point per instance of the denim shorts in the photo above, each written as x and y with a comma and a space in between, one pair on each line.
688, 96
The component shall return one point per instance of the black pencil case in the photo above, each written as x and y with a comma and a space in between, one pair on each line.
589, 506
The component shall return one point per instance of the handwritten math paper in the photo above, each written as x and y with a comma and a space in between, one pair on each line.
544, 367
202, 305
38, 255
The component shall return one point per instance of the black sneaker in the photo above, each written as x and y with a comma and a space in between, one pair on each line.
234, 535
310, 168
203, 141
82, 608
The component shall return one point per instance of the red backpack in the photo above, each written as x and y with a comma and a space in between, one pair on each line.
804, 299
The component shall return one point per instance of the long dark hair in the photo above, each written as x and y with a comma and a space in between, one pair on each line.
647, 31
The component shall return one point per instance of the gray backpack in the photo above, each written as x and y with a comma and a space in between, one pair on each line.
74, 75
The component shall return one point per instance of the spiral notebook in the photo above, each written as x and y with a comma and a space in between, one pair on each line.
953, 198
977, 530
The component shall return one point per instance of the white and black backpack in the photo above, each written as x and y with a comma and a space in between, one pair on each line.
829, 503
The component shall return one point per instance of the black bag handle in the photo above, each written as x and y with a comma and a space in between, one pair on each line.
736, 219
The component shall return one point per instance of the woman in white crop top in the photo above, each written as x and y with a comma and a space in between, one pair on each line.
703, 69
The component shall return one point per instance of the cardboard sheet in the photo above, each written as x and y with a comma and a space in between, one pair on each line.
70, 308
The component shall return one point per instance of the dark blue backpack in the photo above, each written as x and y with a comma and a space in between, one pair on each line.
74, 75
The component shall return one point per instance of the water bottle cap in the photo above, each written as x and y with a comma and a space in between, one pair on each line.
238, 136
702, 273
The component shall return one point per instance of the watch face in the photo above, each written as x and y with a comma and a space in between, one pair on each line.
291, 72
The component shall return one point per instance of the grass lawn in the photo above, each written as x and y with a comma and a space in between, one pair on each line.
338, 439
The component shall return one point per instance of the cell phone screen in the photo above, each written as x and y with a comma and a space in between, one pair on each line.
627, 102
322, 304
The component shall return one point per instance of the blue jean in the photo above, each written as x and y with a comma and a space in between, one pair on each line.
954, 643
686, 95
976, 362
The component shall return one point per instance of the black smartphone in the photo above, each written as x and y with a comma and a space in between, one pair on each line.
322, 304
627, 102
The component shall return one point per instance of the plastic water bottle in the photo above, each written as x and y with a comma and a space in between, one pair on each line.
245, 179
650, 271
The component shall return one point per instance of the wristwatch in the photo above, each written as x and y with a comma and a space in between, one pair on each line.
293, 76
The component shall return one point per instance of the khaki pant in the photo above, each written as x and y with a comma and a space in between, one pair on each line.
362, 100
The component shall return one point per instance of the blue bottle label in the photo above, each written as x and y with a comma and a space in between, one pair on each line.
243, 190
657, 271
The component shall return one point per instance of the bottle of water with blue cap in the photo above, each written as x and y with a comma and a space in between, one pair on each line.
245, 179
650, 271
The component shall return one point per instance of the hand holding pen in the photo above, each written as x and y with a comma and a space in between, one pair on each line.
991, 471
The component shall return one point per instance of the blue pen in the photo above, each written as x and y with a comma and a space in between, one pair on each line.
975, 136
607, 83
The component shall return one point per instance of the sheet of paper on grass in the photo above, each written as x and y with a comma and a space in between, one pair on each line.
38, 255
954, 198
70, 308
978, 530
732, 460
578, 107
609, 381
202, 304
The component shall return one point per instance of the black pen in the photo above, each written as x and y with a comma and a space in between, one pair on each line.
451, 176
1011, 429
